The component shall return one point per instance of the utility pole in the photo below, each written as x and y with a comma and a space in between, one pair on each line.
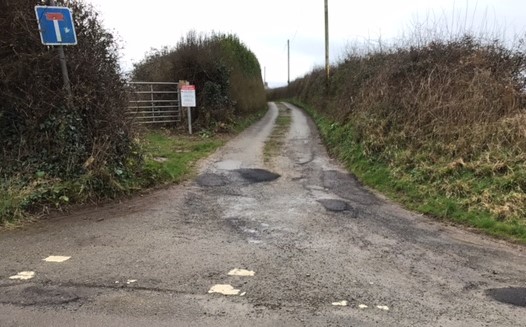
62, 58
327, 64
265, 76
288, 61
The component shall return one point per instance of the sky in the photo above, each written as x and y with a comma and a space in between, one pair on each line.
265, 26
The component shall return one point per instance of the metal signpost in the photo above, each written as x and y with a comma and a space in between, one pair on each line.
56, 28
188, 101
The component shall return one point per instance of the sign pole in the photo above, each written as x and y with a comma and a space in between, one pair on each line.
189, 111
63, 66
64, 69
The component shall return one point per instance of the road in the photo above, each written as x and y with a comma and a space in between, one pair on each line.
312, 247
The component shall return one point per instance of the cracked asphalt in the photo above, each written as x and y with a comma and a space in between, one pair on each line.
324, 251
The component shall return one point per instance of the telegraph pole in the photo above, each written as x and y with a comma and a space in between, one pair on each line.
288, 61
327, 64
265, 76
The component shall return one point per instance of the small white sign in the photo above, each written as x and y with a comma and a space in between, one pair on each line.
188, 96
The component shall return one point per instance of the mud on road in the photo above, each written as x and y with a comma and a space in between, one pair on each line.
294, 242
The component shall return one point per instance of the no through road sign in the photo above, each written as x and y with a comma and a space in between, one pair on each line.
56, 25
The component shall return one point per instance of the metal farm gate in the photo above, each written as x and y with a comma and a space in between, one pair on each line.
154, 102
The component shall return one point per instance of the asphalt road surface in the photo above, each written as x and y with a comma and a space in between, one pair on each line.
312, 247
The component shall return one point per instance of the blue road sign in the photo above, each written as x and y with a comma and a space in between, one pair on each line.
56, 25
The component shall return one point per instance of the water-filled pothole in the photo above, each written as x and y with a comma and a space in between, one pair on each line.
256, 175
511, 295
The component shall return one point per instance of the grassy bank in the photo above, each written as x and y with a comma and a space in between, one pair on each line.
457, 191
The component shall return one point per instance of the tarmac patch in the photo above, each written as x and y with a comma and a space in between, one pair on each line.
37, 295
256, 175
211, 180
511, 295
334, 205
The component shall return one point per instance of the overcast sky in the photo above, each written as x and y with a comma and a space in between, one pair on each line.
265, 26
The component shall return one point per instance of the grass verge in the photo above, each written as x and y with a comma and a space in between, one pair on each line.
455, 192
277, 138
169, 158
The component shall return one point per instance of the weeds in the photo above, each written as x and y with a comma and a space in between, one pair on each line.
274, 144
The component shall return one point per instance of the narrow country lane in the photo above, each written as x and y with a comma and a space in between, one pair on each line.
294, 241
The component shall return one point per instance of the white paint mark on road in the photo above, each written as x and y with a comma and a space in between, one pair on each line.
241, 272
383, 307
56, 258
243, 294
224, 289
131, 281
340, 304
23, 275
363, 306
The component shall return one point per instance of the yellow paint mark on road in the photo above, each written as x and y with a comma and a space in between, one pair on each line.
56, 258
224, 289
241, 272
23, 275
340, 304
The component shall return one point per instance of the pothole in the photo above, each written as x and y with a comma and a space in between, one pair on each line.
211, 180
36, 295
511, 295
334, 205
256, 175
